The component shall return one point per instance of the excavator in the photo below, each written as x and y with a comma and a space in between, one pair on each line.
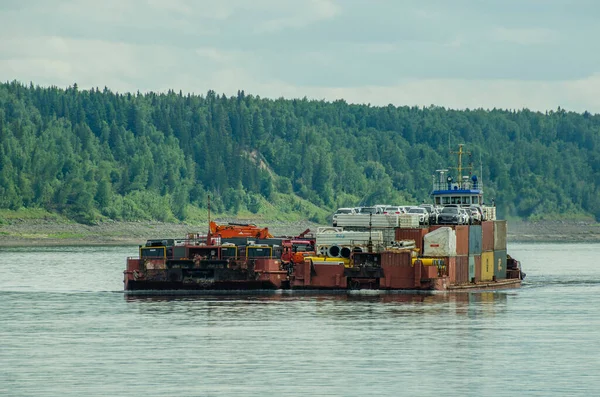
239, 230
293, 249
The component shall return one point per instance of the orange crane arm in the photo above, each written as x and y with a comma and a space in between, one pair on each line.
235, 230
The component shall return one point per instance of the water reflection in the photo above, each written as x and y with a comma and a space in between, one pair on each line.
470, 304
370, 296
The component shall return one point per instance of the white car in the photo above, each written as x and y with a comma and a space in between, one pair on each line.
422, 213
433, 216
345, 210
393, 210
371, 210
475, 215
466, 216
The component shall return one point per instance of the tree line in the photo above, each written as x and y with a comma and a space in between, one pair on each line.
98, 154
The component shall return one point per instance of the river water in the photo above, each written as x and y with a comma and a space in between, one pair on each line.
67, 329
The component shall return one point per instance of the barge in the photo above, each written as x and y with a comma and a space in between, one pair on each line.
362, 252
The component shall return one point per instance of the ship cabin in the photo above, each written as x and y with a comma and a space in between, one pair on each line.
465, 191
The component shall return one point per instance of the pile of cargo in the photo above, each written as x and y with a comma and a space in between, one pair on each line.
474, 253
387, 258
380, 247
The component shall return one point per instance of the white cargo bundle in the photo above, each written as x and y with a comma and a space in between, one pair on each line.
388, 235
440, 242
409, 221
364, 220
329, 229
348, 238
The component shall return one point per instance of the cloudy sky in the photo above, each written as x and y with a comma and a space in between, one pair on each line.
538, 54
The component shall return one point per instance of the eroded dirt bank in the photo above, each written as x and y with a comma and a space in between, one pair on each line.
24, 232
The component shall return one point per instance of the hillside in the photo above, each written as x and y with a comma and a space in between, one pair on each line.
96, 155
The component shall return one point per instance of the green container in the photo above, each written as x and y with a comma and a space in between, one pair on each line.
229, 252
179, 252
260, 252
471, 268
500, 265
475, 240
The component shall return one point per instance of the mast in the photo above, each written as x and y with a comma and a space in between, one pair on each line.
209, 234
459, 167
370, 242
460, 153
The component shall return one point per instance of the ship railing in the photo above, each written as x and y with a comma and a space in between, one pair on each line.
462, 185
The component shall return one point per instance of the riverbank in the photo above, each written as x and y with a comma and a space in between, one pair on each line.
554, 231
24, 232
48, 232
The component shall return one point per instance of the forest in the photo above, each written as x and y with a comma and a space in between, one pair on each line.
96, 155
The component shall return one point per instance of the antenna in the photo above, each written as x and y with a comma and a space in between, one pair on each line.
208, 208
370, 243
481, 167
470, 163
209, 234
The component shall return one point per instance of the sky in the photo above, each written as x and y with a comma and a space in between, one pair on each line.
510, 54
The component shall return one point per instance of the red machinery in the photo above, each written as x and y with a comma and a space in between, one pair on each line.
238, 230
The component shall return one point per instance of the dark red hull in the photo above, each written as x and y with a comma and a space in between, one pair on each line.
139, 285
196, 266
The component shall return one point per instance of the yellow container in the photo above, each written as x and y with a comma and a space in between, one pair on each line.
487, 266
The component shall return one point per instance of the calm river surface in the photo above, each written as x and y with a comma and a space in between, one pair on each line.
67, 329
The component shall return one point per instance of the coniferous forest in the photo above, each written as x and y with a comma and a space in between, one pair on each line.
96, 154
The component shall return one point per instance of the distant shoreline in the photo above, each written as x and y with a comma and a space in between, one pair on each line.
47, 233
553, 232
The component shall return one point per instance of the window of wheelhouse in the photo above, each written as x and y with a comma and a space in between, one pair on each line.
437, 201
475, 200
445, 200
466, 200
